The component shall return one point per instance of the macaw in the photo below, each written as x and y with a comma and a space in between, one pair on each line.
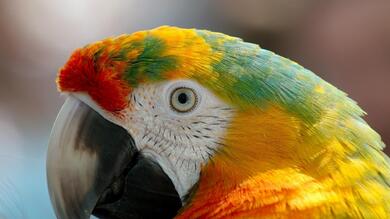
188, 123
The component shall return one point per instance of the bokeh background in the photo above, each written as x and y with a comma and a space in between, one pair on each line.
345, 42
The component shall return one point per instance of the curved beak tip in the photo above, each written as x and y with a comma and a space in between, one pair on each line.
93, 167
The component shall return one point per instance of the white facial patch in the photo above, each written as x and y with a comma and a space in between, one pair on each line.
180, 141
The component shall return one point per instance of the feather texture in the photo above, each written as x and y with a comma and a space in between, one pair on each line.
297, 146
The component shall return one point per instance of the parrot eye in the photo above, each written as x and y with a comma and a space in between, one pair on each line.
183, 99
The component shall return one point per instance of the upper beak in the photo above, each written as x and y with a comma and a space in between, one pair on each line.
93, 167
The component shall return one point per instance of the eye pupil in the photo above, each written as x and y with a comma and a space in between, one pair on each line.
182, 98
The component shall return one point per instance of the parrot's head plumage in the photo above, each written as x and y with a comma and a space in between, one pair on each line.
192, 123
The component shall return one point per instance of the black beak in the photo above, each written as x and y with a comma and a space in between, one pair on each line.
93, 167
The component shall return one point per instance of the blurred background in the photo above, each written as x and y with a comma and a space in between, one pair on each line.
345, 42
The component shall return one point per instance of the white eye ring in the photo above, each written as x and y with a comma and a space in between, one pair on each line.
183, 99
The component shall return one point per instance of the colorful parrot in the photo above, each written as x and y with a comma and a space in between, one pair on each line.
189, 123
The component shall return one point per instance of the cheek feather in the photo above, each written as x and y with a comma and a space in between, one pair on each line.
183, 143
262, 140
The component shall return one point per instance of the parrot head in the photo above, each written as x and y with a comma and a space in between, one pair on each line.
196, 124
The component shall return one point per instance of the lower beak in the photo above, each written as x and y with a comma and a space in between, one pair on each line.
93, 167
